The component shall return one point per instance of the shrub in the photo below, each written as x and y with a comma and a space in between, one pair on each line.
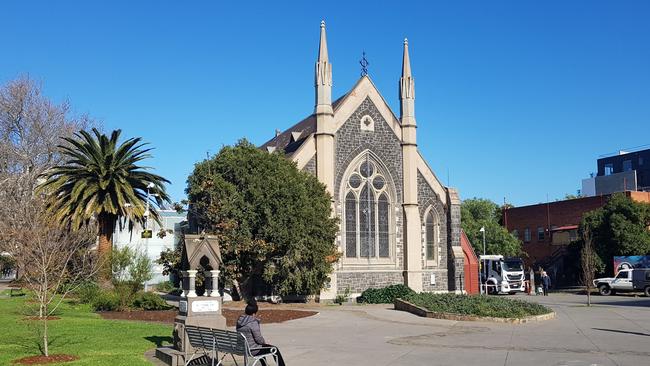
125, 292
341, 298
165, 286
149, 301
130, 265
385, 295
87, 292
106, 301
488, 306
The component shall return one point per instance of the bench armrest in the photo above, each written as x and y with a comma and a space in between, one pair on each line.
273, 350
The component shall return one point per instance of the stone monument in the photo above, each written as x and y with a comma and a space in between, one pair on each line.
200, 253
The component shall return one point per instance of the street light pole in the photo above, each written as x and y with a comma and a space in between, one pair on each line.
146, 222
483, 262
483, 231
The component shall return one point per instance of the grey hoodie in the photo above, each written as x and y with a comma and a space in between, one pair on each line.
249, 326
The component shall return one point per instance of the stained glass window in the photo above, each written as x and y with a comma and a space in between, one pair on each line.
430, 236
383, 212
350, 225
367, 213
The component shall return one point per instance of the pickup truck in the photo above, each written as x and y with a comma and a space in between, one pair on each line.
610, 285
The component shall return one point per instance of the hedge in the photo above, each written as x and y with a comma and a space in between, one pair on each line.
385, 295
487, 306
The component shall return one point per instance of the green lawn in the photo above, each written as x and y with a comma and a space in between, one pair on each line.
79, 332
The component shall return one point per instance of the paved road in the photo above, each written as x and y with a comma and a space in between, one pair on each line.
616, 331
4, 285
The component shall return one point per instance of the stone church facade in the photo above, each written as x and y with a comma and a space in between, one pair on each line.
398, 223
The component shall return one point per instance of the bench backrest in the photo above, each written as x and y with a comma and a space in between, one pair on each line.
225, 341
199, 337
229, 341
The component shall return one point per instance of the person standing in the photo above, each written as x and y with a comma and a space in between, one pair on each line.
546, 282
249, 325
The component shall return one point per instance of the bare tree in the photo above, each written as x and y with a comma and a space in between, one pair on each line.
47, 255
31, 127
55, 262
588, 262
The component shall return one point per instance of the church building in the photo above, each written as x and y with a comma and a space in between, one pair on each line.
398, 223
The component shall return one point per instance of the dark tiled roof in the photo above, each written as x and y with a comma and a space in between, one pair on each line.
303, 130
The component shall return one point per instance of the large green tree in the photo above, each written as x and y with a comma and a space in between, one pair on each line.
273, 221
477, 213
101, 179
619, 228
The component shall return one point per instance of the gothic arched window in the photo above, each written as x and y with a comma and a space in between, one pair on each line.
367, 212
432, 235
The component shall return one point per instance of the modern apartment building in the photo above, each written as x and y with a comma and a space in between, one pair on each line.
625, 171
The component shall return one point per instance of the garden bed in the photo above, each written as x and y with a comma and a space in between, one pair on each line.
167, 316
473, 308
41, 360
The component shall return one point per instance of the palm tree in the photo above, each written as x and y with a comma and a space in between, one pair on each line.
100, 180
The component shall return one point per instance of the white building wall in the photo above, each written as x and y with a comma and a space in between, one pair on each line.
171, 220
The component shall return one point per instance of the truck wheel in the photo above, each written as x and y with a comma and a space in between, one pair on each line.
646, 291
604, 290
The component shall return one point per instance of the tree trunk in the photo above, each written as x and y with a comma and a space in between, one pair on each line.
46, 350
105, 246
235, 283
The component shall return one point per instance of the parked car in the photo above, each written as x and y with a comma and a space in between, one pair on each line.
627, 280
641, 280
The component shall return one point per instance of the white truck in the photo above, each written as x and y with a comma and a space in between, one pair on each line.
502, 276
622, 282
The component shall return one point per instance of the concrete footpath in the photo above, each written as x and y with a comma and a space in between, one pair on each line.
615, 331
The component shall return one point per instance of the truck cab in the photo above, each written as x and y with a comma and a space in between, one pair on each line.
610, 285
502, 276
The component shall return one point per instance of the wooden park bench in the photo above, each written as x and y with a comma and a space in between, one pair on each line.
207, 343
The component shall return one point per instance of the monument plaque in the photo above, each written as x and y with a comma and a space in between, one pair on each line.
205, 306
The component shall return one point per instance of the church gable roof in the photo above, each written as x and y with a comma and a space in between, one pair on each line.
365, 88
293, 138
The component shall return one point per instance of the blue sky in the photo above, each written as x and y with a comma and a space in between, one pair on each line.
515, 99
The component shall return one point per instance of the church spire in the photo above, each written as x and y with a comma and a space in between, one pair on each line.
323, 76
324, 115
322, 47
407, 89
407, 83
412, 223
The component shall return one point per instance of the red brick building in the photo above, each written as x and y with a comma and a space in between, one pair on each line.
547, 228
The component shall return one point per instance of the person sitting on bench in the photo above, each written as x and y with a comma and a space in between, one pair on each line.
249, 326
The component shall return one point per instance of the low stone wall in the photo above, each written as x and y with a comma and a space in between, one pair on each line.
414, 309
358, 282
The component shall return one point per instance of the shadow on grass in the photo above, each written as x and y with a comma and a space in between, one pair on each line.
158, 340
